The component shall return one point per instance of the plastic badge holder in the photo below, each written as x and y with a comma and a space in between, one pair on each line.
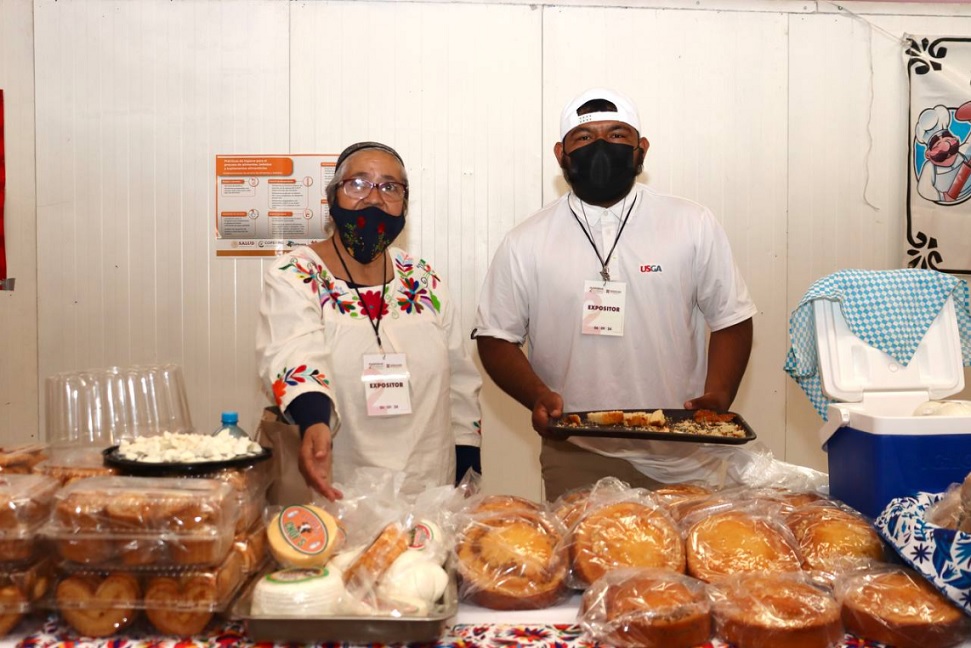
877, 449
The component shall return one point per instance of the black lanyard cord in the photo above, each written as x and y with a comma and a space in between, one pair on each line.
604, 272
376, 325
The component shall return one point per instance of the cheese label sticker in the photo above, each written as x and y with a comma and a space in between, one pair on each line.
421, 535
297, 575
304, 530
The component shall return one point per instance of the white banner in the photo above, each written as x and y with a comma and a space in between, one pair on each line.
939, 174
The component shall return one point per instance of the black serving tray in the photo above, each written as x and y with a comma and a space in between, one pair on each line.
673, 416
147, 469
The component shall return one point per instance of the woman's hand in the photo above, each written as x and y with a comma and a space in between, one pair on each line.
316, 461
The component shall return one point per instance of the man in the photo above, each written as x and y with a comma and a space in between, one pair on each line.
614, 286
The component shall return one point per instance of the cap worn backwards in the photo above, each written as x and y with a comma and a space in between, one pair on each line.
626, 111
361, 146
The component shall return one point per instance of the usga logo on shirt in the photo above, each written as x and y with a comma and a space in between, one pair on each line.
650, 268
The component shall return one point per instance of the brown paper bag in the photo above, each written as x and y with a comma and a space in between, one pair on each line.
288, 486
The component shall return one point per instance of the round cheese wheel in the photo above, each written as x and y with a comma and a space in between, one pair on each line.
299, 592
303, 536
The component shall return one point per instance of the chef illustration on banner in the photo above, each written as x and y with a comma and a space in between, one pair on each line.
941, 154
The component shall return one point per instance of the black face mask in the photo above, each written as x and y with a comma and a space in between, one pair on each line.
368, 232
601, 172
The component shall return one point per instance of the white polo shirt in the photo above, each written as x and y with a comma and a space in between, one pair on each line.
681, 279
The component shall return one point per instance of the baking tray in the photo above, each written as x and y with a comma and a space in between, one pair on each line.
162, 469
348, 629
560, 427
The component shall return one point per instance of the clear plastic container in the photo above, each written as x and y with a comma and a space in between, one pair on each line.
21, 459
99, 603
25, 503
144, 523
20, 590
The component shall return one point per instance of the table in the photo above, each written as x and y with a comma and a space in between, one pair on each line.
473, 627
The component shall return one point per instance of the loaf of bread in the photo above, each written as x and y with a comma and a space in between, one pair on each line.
737, 541
897, 606
647, 608
775, 610
833, 539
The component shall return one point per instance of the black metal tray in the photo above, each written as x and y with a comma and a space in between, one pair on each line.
674, 416
348, 629
147, 469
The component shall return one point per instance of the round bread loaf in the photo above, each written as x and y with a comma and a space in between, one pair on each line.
511, 559
832, 539
732, 542
625, 534
775, 610
900, 608
647, 608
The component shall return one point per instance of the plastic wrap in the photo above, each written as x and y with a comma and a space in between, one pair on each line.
510, 554
21, 459
570, 506
774, 610
896, 606
834, 539
646, 608
68, 464
744, 537
624, 529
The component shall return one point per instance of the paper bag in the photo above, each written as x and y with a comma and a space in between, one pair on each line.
288, 486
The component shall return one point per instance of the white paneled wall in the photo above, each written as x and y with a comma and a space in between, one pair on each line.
787, 118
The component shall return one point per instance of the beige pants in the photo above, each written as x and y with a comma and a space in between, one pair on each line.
566, 466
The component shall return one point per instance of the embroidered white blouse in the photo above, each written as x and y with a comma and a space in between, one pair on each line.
313, 333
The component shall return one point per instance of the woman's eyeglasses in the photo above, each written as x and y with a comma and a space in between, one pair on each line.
359, 188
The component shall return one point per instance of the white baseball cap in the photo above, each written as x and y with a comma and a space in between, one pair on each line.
626, 111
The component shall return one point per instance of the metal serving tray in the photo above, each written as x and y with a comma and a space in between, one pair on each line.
348, 629
562, 428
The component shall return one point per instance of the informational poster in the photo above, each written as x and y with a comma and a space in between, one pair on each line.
267, 204
939, 178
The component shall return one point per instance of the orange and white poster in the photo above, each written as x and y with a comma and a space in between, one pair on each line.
267, 204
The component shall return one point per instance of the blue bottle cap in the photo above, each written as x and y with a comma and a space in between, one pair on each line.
230, 418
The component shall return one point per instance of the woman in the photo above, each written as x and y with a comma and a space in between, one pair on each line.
361, 337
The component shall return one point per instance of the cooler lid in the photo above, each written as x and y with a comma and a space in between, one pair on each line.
849, 367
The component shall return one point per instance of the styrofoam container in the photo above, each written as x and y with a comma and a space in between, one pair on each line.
877, 449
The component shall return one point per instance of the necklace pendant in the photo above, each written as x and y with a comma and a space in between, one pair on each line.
605, 274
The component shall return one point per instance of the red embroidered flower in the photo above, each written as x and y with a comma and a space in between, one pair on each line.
279, 389
360, 222
380, 228
372, 303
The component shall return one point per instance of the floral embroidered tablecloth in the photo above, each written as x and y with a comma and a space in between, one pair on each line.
54, 634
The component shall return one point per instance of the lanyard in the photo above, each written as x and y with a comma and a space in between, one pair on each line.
375, 322
604, 272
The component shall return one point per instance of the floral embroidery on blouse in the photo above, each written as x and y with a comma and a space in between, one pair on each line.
294, 377
415, 290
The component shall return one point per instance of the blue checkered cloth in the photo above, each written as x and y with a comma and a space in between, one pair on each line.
890, 310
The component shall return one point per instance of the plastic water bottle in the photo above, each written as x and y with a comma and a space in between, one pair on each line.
229, 423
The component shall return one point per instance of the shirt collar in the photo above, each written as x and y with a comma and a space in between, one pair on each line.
595, 213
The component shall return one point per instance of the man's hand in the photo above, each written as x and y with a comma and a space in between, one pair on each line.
710, 400
316, 461
548, 406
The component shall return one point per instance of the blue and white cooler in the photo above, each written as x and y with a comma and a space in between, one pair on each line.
870, 348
